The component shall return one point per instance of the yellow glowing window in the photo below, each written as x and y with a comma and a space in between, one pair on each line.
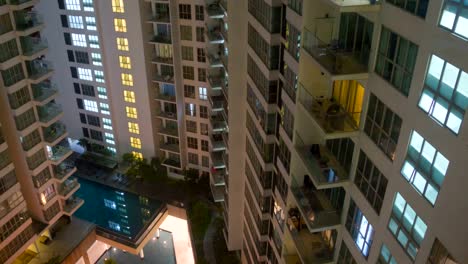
127, 79
129, 96
125, 62
120, 25
122, 44
137, 155
118, 6
133, 128
131, 112
135, 142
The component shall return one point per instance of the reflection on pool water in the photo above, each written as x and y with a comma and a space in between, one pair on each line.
122, 213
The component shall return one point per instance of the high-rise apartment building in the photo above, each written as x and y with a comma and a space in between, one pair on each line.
35, 185
355, 142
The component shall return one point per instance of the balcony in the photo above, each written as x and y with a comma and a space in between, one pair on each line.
171, 162
32, 45
169, 147
166, 115
63, 171
218, 193
163, 77
335, 59
164, 60
216, 81
54, 132
329, 115
26, 20
311, 247
218, 124
225, 62
164, 39
167, 130
43, 91
165, 92
217, 160
214, 35
214, 61
217, 143
218, 177
214, 10
224, 5
68, 187
58, 153
38, 69
359, 5
217, 101
72, 204
315, 207
161, 17
49, 112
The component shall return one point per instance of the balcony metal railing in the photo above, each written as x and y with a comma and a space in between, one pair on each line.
165, 39
165, 60
167, 115
169, 130
171, 162
32, 45
43, 91
170, 147
161, 17
329, 114
165, 96
49, 112
163, 77
54, 131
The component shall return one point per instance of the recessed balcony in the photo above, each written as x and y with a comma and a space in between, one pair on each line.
217, 160
216, 81
161, 38
217, 143
214, 10
164, 77
217, 101
68, 187
218, 193
214, 61
163, 60
171, 147
53, 132
26, 20
49, 112
167, 115
169, 130
172, 163
165, 92
39, 69
43, 92
32, 45
218, 124
214, 35
218, 177
160, 17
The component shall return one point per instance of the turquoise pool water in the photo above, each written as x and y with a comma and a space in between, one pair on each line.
121, 213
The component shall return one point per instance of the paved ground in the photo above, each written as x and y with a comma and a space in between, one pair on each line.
208, 240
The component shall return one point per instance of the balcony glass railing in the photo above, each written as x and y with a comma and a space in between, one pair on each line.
43, 91
161, 17
166, 39
32, 45
72, 203
49, 112
156, 58
54, 131
218, 176
26, 20
171, 162
67, 186
214, 60
58, 152
170, 147
62, 170
214, 35
38, 68
167, 114
169, 130
217, 160
214, 10
163, 77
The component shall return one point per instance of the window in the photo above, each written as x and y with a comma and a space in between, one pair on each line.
75, 22
82, 57
440, 255
83, 118
93, 120
118, 6
78, 40
382, 126
72, 4
93, 41
19, 97
90, 23
131, 112
204, 145
133, 128
386, 256
96, 58
85, 74
371, 182
202, 93
125, 62
190, 109
129, 96
293, 41
104, 108
137, 155
87, 90
96, 135
120, 25
185, 11
188, 72
203, 111
99, 75
202, 74
192, 143
88, 5
418, 7
205, 161
107, 123
191, 126
396, 59
201, 55
455, 17
102, 92
135, 142
189, 91
199, 13
127, 79
200, 34
406, 226
90, 105
345, 257
360, 229
13, 75
185, 32
187, 53
445, 94
122, 44
193, 158
204, 129
424, 167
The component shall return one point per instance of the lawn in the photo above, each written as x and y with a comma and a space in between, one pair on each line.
200, 217
219, 245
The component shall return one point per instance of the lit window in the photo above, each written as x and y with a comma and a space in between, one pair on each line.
102, 92
113, 150
96, 58
137, 155
455, 17
88, 5
129, 96
93, 41
133, 128
107, 123
114, 226
203, 93
125, 62
135, 142
104, 108
72, 5
110, 204
445, 94
75, 22
424, 167
117, 6
90, 23
122, 44
386, 256
131, 112
127, 79
85, 74
79, 40
120, 25
90, 105
109, 135
406, 226
99, 75
360, 229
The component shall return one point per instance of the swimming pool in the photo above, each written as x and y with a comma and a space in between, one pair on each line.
121, 213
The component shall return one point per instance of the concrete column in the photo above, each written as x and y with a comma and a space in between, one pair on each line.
142, 254
157, 233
